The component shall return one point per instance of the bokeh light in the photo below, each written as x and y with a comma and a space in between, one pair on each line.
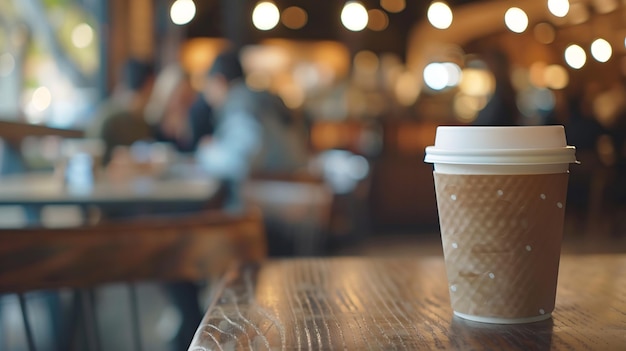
578, 13
366, 61
559, 8
436, 76
378, 20
477, 82
440, 15
441, 75
454, 73
406, 88
575, 56
294, 17
556, 77
182, 11
516, 20
82, 35
601, 50
544, 33
536, 74
265, 15
41, 98
354, 16
393, 6
466, 107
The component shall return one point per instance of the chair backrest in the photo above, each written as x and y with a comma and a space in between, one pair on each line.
296, 208
151, 249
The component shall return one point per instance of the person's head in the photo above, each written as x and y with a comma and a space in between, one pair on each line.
135, 84
171, 96
225, 70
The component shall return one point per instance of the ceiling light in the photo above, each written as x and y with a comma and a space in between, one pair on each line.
559, 8
440, 15
575, 56
182, 11
265, 15
436, 76
516, 19
601, 50
354, 16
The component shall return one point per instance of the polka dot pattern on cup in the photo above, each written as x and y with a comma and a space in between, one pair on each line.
489, 227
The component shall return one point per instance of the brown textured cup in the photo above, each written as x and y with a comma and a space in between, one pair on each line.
501, 219
501, 237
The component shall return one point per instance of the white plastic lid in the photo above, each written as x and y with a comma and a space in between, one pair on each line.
537, 145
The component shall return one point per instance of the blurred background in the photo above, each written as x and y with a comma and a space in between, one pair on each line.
369, 80
371, 77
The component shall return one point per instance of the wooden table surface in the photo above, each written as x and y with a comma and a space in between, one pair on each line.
401, 304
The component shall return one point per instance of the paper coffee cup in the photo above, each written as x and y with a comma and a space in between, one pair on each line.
501, 201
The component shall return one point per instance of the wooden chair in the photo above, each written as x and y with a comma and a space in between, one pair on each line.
191, 248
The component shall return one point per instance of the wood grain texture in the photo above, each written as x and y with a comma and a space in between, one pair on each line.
180, 248
402, 304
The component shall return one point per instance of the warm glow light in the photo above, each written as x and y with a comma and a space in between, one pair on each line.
406, 89
578, 13
559, 8
294, 17
354, 16
182, 11
516, 20
537, 74
466, 107
82, 35
41, 99
477, 82
605, 6
556, 77
544, 33
378, 20
601, 50
575, 56
439, 15
393, 6
292, 95
265, 15
366, 61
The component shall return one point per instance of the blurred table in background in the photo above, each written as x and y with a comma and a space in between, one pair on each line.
401, 303
176, 190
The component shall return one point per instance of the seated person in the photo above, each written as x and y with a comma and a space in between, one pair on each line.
178, 114
253, 131
120, 120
